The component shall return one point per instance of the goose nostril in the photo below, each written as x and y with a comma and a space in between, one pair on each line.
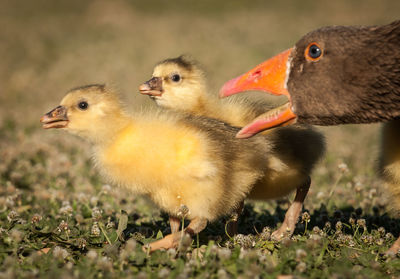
56, 112
255, 76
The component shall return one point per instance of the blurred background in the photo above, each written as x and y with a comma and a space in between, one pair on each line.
49, 47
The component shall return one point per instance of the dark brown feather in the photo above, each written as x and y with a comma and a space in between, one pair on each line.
356, 81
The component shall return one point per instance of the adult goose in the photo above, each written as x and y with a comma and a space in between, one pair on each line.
336, 75
333, 75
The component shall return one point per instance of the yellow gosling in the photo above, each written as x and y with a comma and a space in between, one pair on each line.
176, 159
180, 84
390, 166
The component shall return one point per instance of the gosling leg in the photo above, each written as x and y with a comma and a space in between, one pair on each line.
395, 247
174, 223
232, 227
293, 213
172, 240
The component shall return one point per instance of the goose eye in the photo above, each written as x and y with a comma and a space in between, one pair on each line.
83, 105
313, 52
175, 78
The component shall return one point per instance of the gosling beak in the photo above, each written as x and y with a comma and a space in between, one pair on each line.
270, 76
56, 118
152, 87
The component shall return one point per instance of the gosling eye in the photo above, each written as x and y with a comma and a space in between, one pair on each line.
313, 52
83, 105
175, 78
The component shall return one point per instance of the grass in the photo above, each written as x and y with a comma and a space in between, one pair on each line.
58, 218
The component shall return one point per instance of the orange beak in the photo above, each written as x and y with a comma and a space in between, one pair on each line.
278, 117
269, 76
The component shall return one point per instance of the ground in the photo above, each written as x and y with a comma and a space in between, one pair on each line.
58, 217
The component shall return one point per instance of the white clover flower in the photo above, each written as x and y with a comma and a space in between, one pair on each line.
96, 213
66, 208
92, 255
301, 267
106, 189
12, 216
224, 253
104, 263
94, 200
63, 226
343, 167
16, 235
60, 253
300, 254
183, 211
82, 198
130, 245
95, 230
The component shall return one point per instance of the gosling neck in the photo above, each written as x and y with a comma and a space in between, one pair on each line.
110, 127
